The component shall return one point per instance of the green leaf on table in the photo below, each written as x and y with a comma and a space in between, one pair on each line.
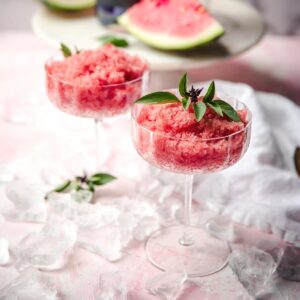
101, 179
65, 50
183, 86
199, 110
63, 187
216, 108
228, 110
186, 103
210, 93
83, 183
158, 98
112, 39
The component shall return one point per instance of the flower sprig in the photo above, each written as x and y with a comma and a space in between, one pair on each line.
87, 183
192, 97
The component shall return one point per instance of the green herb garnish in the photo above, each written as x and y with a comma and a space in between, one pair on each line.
80, 183
191, 97
65, 50
111, 39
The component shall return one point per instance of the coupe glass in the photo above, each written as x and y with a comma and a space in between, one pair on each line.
186, 247
93, 101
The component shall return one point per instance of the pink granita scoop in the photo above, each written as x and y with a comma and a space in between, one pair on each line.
95, 83
169, 137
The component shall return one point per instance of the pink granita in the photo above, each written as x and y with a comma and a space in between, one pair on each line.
95, 83
169, 137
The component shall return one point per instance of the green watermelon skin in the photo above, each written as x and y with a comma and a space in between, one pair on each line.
73, 5
171, 24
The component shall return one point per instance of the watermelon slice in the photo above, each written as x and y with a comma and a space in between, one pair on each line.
70, 4
171, 24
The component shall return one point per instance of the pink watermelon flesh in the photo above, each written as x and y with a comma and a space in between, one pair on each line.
185, 20
183, 145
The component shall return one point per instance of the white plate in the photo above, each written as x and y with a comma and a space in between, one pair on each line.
243, 24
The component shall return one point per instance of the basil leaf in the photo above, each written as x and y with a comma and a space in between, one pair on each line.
210, 93
186, 103
216, 108
182, 86
158, 98
228, 110
65, 50
111, 39
297, 160
199, 110
63, 187
100, 179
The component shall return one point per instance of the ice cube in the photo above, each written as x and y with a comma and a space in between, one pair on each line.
112, 286
29, 285
253, 267
145, 227
49, 248
82, 196
134, 215
104, 242
62, 205
222, 228
289, 266
95, 215
4, 254
85, 215
37, 214
167, 285
28, 200
25, 195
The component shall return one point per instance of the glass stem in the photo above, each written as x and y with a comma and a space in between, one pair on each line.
186, 239
98, 127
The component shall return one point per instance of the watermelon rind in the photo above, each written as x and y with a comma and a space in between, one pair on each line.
167, 42
70, 5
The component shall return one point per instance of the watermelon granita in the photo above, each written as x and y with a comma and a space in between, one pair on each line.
170, 138
96, 83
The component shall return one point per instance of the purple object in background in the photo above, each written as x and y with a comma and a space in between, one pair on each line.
281, 17
109, 10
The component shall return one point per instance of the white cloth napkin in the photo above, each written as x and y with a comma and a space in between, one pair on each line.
262, 189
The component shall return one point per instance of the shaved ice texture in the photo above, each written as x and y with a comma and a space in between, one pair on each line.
170, 138
95, 83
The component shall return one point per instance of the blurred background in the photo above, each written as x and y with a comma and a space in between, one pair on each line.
272, 65
281, 17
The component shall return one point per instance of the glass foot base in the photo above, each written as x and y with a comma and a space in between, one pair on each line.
203, 256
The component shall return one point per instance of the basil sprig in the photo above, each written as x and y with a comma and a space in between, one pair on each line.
84, 182
191, 96
115, 40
